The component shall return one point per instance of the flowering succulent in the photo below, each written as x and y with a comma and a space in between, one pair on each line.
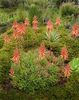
35, 23
6, 38
49, 26
42, 51
11, 72
75, 30
64, 53
16, 56
18, 30
26, 22
58, 22
67, 71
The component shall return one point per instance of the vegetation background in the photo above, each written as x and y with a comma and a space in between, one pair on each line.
49, 84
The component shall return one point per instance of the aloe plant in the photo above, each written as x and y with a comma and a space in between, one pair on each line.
53, 37
75, 64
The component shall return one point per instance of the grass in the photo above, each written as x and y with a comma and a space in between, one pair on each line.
8, 15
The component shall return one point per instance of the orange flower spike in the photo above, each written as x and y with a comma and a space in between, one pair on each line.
26, 22
49, 26
58, 22
11, 72
6, 39
42, 51
21, 29
64, 53
15, 35
16, 56
15, 25
35, 24
67, 71
75, 30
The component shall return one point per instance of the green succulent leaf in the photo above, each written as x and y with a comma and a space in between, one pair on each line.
75, 64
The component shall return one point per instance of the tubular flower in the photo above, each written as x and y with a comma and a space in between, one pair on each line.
64, 53
75, 30
67, 71
19, 31
26, 22
58, 22
11, 72
6, 39
49, 26
15, 25
35, 24
42, 51
16, 35
16, 56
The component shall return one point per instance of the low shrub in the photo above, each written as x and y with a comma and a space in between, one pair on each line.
56, 47
4, 64
32, 39
72, 45
8, 3
33, 74
68, 9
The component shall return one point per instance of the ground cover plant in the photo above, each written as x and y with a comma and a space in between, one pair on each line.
39, 52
